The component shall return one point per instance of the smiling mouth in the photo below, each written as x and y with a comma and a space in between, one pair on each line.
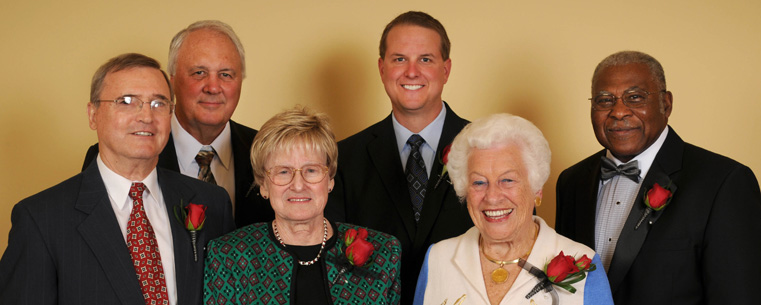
498, 214
412, 87
298, 199
143, 133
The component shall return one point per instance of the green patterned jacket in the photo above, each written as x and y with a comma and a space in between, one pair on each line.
247, 266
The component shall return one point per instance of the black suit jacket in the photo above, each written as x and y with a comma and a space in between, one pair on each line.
66, 247
249, 206
371, 190
701, 249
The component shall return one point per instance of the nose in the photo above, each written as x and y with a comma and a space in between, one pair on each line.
620, 110
145, 113
492, 193
212, 85
412, 70
298, 181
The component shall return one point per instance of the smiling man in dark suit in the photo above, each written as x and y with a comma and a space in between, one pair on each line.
390, 175
109, 235
207, 65
702, 247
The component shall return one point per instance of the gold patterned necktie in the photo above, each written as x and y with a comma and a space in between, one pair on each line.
203, 158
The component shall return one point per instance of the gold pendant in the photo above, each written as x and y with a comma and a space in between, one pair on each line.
499, 275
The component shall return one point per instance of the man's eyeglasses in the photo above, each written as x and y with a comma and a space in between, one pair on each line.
633, 99
134, 104
283, 175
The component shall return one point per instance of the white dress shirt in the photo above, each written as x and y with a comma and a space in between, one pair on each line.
222, 167
431, 134
615, 199
153, 202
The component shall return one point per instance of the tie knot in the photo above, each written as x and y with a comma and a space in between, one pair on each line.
415, 141
630, 170
136, 190
204, 157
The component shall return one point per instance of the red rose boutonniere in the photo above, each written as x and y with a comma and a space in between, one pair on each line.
358, 249
564, 270
443, 160
192, 216
656, 199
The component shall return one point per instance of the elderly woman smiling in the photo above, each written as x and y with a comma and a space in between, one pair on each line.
498, 165
300, 257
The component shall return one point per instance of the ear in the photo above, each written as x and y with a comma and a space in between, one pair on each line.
264, 190
539, 194
91, 110
447, 69
331, 184
380, 66
668, 101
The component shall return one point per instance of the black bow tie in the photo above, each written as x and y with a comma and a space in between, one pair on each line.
610, 170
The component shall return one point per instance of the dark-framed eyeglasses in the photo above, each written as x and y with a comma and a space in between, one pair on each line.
635, 98
283, 175
134, 104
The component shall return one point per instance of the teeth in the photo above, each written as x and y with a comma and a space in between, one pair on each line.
412, 87
299, 200
143, 133
500, 213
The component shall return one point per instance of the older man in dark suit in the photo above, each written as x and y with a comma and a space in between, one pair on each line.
109, 235
390, 175
207, 65
694, 243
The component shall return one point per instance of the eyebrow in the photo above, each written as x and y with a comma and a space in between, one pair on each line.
625, 90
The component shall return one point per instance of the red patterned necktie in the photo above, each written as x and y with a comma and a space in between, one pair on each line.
142, 245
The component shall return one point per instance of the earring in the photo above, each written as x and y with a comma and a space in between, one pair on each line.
538, 201
265, 196
330, 190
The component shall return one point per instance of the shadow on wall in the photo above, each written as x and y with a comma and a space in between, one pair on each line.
344, 90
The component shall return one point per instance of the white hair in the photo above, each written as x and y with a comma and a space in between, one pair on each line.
494, 131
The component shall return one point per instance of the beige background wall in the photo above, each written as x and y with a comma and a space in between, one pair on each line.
531, 58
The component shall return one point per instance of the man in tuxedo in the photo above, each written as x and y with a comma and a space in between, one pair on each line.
207, 66
698, 249
109, 235
390, 175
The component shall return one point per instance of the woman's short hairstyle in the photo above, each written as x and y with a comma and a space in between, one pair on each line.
494, 131
299, 127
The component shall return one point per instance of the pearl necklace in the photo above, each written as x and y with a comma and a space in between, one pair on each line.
322, 246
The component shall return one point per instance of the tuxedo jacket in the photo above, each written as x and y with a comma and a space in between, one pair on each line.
702, 248
371, 191
66, 247
249, 206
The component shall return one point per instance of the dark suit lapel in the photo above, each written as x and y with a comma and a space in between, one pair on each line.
667, 161
385, 157
186, 269
101, 232
168, 156
435, 195
586, 199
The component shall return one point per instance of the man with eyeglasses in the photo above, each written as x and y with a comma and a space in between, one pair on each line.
207, 66
109, 234
672, 222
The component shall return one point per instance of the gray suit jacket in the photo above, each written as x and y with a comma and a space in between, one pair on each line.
66, 247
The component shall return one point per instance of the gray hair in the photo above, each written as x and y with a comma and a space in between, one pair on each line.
123, 62
214, 25
494, 131
633, 57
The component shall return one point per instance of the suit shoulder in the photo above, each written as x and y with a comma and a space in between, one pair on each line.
65, 191
583, 166
361, 138
696, 153
238, 129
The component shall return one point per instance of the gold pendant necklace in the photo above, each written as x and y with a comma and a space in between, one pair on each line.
500, 275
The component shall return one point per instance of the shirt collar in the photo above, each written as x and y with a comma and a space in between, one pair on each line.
431, 133
187, 146
118, 186
646, 158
